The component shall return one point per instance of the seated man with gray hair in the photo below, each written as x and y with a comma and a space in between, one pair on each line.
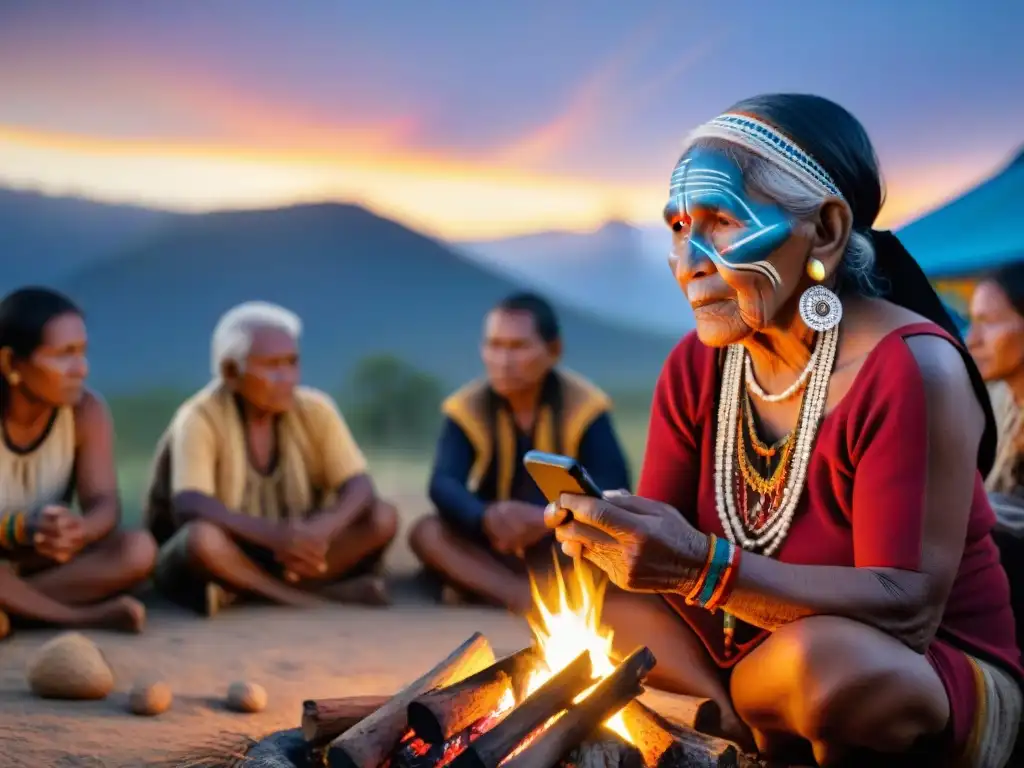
258, 487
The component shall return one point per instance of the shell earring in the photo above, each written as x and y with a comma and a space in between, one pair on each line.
820, 308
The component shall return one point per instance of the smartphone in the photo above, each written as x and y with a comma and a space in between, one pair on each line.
555, 475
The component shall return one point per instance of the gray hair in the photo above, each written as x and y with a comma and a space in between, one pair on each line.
802, 201
233, 334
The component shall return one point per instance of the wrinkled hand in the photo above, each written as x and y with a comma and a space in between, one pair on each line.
302, 550
58, 534
512, 526
642, 545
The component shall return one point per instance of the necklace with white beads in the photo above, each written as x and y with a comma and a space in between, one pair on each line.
755, 389
772, 533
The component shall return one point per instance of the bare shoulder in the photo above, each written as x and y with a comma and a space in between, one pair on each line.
939, 360
867, 322
92, 409
942, 367
953, 405
92, 415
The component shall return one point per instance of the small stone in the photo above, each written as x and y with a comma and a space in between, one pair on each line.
70, 666
149, 698
246, 697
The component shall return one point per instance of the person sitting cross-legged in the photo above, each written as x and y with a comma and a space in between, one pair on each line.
489, 529
59, 565
258, 486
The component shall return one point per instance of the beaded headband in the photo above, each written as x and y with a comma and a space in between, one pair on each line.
768, 143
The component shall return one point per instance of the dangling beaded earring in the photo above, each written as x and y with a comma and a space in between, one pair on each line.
820, 308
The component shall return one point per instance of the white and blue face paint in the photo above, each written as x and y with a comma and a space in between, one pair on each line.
706, 183
707, 186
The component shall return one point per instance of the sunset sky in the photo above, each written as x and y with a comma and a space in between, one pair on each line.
481, 119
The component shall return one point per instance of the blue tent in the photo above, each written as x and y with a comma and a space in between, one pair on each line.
978, 231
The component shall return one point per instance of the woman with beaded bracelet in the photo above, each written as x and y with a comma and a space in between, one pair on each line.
59, 567
811, 516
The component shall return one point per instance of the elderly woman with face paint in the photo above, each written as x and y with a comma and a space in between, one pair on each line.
59, 566
811, 517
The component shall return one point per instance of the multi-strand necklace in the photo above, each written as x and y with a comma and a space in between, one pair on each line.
779, 495
762, 526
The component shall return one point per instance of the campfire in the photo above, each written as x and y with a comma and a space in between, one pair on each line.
562, 702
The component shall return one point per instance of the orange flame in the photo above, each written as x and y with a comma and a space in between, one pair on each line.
571, 627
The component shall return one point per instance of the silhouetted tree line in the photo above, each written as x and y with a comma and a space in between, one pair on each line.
391, 404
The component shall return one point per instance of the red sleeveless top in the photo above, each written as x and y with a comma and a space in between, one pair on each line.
863, 504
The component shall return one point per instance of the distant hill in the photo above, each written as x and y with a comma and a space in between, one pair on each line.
617, 270
363, 285
44, 238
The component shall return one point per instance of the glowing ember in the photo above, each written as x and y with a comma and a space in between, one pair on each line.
413, 752
572, 627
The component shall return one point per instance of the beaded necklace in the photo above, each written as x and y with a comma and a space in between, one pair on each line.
764, 526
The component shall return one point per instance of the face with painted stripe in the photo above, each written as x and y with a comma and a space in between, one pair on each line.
729, 248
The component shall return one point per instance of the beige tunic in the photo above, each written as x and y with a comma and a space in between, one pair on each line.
29, 480
204, 450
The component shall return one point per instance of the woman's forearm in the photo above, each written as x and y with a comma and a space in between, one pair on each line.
769, 594
100, 516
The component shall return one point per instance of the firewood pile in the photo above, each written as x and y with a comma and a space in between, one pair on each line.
472, 711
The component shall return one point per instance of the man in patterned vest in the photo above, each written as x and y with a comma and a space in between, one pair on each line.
489, 528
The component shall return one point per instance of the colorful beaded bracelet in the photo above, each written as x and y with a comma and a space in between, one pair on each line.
702, 577
13, 530
720, 556
728, 580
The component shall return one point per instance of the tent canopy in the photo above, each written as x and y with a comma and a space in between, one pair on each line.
978, 231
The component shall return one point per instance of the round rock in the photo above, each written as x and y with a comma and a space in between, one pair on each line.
246, 697
149, 698
70, 666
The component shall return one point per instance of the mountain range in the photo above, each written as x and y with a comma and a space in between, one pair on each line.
153, 284
43, 238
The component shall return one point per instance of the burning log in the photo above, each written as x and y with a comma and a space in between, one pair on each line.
519, 667
609, 751
323, 720
547, 701
607, 698
663, 744
440, 714
683, 711
370, 742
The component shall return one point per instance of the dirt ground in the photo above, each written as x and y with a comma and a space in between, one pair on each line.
295, 655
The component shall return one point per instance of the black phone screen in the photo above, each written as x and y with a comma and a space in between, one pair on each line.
555, 474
